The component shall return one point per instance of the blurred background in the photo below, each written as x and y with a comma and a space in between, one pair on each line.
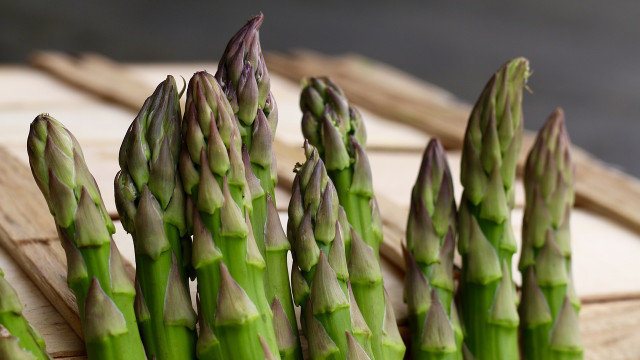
585, 55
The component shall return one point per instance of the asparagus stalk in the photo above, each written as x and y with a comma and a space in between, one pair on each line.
104, 293
320, 274
242, 74
335, 128
18, 339
545, 262
151, 204
430, 241
216, 180
486, 240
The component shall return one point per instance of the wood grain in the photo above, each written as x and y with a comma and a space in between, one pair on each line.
400, 97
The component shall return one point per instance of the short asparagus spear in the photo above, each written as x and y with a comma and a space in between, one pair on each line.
242, 74
151, 203
430, 240
104, 293
18, 340
335, 128
546, 251
486, 240
215, 178
320, 275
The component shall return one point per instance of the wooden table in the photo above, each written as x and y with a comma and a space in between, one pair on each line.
606, 247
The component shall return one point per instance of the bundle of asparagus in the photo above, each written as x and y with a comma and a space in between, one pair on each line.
211, 175
436, 332
18, 340
335, 128
548, 311
103, 289
486, 241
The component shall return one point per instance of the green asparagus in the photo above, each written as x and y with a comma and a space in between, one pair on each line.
545, 262
335, 128
430, 242
18, 339
151, 204
486, 241
225, 254
242, 74
104, 292
320, 278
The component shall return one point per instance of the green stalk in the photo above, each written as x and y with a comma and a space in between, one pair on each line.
104, 293
335, 128
486, 240
244, 78
151, 204
320, 277
18, 339
545, 262
220, 188
430, 241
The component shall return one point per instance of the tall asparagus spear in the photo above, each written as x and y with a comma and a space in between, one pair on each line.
243, 76
103, 291
320, 272
545, 262
430, 240
18, 340
225, 253
335, 128
151, 203
486, 240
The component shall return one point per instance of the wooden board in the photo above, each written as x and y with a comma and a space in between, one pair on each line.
85, 113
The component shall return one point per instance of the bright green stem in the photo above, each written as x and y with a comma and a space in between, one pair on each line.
336, 323
20, 328
535, 342
356, 207
554, 296
485, 340
161, 340
370, 298
239, 340
566, 355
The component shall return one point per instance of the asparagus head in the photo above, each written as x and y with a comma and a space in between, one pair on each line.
151, 203
545, 262
430, 242
103, 290
486, 240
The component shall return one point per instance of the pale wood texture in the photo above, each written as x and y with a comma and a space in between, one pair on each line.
605, 264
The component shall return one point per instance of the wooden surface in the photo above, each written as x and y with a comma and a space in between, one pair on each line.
605, 259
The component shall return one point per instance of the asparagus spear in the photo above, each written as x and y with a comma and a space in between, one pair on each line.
320, 274
335, 128
104, 293
215, 178
18, 339
243, 76
486, 240
545, 262
151, 204
430, 241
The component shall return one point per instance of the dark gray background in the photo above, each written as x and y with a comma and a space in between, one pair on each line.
585, 54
